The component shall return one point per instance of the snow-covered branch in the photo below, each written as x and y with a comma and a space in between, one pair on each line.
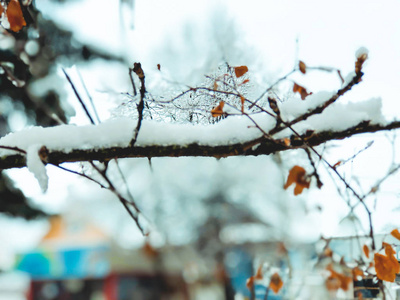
111, 139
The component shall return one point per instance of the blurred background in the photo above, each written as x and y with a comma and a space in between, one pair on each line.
212, 222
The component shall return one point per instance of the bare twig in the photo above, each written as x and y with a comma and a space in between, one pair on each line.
78, 97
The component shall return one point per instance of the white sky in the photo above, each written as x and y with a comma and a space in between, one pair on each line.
188, 38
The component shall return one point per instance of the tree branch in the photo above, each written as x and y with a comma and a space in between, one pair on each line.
259, 146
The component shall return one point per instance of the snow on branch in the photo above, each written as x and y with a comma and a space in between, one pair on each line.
111, 139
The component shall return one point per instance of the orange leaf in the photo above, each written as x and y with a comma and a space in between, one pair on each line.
337, 280
328, 252
337, 164
218, 110
259, 274
396, 233
357, 272
245, 81
242, 101
240, 71
287, 142
14, 16
302, 67
366, 251
250, 282
1, 9
297, 175
149, 251
301, 90
386, 266
276, 283
215, 86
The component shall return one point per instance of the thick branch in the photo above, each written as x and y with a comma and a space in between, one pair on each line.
260, 146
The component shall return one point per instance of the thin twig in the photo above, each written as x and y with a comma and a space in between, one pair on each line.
78, 97
89, 96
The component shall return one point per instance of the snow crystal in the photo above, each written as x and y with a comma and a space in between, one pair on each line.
36, 166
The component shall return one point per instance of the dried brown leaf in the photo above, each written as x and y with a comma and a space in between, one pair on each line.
297, 175
218, 110
240, 71
301, 90
275, 283
15, 16
302, 67
395, 233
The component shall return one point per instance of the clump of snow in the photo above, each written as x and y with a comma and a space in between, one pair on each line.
234, 129
112, 133
294, 107
361, 52
36, 166
341, 116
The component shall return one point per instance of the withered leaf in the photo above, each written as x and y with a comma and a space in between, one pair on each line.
15, 16
395, 233
215, 86
337, 280
259, 274
240, 71
297, 175
275, 283
245, 81
301, 90
149, 250
158, 67
386, 266
302, 67
242, 101
357, 273
366, 250
1, 9
250, 282
218, 110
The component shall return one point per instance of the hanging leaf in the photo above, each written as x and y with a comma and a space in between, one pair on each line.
240, 71
276, 283
218, 110
242, 101
301, 90
158, 67
273, 104
1, 9
366, 251
250, 283
395, 233
297, 175
259, 274
149, 250
386, 266
15, 16
302, 67
337, 280
357, 273
215, 86
245, 81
